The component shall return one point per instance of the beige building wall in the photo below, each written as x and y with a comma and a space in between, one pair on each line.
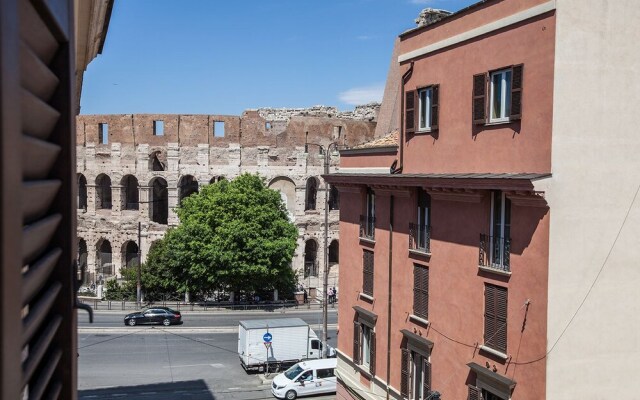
595, 165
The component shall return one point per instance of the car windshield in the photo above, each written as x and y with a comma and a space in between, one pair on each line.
293, 372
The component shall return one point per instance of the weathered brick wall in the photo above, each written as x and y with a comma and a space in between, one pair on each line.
270, 142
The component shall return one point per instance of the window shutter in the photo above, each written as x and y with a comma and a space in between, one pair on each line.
474, 393
435, 101
421, 292
37, 236
495, 317
500, 338
410, 111
356, 342
479, 99
372, 353
426, 382
516, 91
367, 273
404, 373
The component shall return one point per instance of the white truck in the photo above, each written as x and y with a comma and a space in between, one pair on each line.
276, 343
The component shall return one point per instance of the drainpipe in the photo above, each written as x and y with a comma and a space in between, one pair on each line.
389, 300
405, 76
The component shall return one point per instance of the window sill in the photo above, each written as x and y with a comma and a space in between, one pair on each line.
425, 130
419, 320
418, 252
364, 371
494, 352
494, 270
367, 297
500, 122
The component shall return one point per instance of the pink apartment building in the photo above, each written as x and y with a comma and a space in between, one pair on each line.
465, 248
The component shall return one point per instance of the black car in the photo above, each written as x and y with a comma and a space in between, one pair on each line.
154, 315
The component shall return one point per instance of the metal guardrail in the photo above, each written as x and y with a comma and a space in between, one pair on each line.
124, 305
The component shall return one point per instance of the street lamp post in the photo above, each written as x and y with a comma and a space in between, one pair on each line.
325, 277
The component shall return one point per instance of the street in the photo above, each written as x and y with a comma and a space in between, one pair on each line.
196, 360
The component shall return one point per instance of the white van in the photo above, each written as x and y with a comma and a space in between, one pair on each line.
306, 378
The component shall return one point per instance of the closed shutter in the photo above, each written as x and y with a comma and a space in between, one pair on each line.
37, 164
367, 273
372, 353
410, 111
356, 342
495, 317
426, 382
405, 373
435, 101
421, 291
474, 393
479, 99
516, 91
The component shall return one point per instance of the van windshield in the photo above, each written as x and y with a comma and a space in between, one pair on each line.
293, 371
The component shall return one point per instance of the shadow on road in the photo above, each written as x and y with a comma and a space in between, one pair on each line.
196, 390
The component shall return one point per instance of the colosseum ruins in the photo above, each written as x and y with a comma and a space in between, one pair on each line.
134, 169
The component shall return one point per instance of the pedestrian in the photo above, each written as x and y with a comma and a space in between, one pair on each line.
335, 294
305, 295
330, 295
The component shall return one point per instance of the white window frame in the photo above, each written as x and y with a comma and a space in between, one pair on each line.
492, 234
505, 95
365, 344
414, 369
371, 213
424, 124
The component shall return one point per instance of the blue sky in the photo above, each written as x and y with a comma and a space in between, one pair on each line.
225, 56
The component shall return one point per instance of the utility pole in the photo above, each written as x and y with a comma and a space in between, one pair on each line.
325, 277
138, 283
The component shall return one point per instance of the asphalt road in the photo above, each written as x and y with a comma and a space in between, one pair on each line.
196, 360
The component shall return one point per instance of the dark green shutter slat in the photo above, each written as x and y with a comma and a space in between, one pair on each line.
479, 99
372, 353
409, 113
356, 342
435, 102
517, 76
404, 373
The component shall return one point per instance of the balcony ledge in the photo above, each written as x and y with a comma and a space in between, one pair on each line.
494, 270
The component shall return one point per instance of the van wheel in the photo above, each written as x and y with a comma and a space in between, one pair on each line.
291, 394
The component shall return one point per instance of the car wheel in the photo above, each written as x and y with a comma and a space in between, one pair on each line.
291, 394
132, 322
166, 322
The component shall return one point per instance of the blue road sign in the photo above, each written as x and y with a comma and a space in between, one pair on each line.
267, 337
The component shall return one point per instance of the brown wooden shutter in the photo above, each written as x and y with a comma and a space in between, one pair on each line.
356, 342
421, 291
474, 393
426, 382
37, 200
495, 317
405, 372
372, 353
479, 99
410, 111
367, 273
435, 101
517, 76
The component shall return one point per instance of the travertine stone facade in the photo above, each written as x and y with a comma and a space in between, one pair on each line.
133, 170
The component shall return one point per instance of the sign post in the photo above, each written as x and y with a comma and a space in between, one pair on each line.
267, 337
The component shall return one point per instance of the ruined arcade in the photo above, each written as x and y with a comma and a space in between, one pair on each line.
134, 169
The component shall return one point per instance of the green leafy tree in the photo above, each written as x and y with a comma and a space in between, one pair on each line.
233, 235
